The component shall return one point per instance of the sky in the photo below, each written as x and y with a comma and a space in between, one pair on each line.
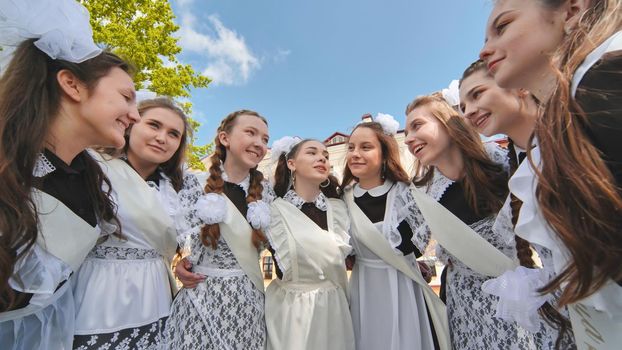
315, 67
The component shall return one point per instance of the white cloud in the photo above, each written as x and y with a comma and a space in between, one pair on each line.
281, 55
230, 60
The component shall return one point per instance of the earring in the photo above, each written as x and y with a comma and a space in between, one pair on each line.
292, 180
326, 184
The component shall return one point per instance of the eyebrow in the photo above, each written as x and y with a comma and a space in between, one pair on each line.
472, 90
496, 21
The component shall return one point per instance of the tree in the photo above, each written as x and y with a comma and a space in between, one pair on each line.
142, 31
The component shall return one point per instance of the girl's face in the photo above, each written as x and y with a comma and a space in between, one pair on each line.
310, 163
247, 142
108, 109
157, 136
488, 108
521, 36
426, 137
364, 155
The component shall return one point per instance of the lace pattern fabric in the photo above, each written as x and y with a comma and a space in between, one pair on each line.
122, 253
147, 337
222, 312
292, 197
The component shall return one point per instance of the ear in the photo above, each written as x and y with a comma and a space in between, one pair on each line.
523, 93
71, 85
573, 12
291, 165
223, 137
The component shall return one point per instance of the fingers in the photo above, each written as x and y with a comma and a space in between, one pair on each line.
188, 278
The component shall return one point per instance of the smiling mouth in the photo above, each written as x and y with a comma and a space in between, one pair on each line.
418, 148
255, 154
493, 65
157, 148
122, 124
481, 120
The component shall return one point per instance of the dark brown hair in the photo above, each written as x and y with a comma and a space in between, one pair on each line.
30, 99
390, 154
282, 174
215, 184
485, 182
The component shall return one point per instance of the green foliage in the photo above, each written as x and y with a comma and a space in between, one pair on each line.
142, 31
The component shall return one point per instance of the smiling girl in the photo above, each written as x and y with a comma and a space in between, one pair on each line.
387, 301
493, 110
123, 290
470, 181
55, 102
307, 307
572, 202
226, 309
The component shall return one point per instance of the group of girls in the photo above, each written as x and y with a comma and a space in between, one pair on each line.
96, 201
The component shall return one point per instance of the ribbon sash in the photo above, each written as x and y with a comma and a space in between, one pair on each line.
369, 235
459, 239
594, 330
61, 232
237, 233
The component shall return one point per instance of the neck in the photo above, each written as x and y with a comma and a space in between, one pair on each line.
307, 190
370, 182
543, 88
235, 172
143, 168
65, 138
452, 164
521, 131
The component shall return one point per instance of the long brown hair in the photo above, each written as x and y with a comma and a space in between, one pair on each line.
30, 99
215, 184
392, 166
173, 168
283, 176
587, 217
485, 182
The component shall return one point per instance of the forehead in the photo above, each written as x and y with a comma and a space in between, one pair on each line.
422, 112
250, 121
165, 116
314, 144
363, 134
477, 78
117, 77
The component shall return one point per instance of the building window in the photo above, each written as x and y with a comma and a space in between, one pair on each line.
267, 267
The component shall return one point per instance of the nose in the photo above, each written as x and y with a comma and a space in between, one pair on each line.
486, 51
469, 110
160, 136
133, 115
410, 138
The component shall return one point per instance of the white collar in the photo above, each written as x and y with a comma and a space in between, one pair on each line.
292, 197
43, 166
374, 192
244, 183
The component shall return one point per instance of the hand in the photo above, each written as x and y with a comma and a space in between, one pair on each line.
426, 271
187, 278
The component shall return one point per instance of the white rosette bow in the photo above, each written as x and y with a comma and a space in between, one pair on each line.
452, 93
388, 123
212, 208
258, 215
61, 28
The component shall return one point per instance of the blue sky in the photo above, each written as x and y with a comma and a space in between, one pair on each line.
314, 67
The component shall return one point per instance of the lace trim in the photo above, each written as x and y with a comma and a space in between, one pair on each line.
497, 154
118, 253
244, 183
440, 183
292, 197
43, 166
